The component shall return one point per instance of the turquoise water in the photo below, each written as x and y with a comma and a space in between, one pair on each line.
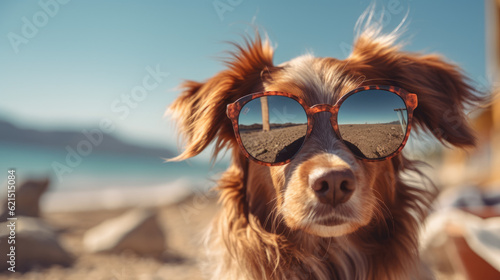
96, 170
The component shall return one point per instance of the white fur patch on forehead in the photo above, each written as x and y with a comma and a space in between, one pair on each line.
301, 71
321, 80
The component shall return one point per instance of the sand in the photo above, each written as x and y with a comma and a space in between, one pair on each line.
183, 222
278, 144
372, 140
281, 143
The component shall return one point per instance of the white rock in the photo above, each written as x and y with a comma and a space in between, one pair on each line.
137, 230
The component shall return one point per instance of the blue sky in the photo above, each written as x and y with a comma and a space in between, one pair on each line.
79, 62
281, 110
369, 107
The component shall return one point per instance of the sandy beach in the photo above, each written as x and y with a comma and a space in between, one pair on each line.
183, 213
183, 222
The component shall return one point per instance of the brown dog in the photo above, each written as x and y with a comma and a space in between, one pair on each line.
326, 212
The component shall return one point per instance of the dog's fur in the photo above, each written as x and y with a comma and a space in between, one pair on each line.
271, 225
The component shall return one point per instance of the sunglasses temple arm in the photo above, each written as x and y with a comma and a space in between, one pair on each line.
412, 100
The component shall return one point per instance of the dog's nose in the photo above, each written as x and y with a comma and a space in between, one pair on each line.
333, 187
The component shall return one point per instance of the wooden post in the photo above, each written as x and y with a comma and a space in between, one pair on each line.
265, 113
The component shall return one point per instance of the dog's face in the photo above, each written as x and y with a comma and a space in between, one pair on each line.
325, 190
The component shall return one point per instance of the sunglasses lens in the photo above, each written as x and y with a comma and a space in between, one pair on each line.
373, 123
272, 128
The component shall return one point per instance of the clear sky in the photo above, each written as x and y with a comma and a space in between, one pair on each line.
281, 110
369, 107
69, 65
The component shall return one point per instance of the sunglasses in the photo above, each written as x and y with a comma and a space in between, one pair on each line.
374, 122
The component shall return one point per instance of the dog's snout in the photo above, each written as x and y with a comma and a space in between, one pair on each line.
333, 187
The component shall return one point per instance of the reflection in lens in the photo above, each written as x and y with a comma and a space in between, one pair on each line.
272, 128
373, 123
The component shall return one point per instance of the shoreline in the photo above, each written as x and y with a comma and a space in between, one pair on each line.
114, 197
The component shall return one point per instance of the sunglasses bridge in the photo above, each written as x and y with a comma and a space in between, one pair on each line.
319, 108
323, 108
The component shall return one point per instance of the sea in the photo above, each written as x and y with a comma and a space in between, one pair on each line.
99, 170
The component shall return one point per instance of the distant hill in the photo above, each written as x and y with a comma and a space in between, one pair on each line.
258, 126
63, 138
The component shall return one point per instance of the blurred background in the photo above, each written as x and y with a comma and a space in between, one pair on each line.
84, 89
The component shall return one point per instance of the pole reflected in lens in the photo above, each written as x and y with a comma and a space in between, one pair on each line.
272, 128
373, 123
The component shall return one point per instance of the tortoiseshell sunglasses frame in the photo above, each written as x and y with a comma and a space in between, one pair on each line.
233, 112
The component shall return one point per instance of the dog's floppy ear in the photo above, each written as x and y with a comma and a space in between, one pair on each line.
442, 89
200, 111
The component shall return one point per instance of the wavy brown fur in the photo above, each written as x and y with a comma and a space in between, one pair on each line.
251, 238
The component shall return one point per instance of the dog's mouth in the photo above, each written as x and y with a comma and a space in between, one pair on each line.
329, 216
330, 222
325, 220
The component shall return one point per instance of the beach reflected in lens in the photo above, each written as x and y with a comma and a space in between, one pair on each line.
272, 128
373, 123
